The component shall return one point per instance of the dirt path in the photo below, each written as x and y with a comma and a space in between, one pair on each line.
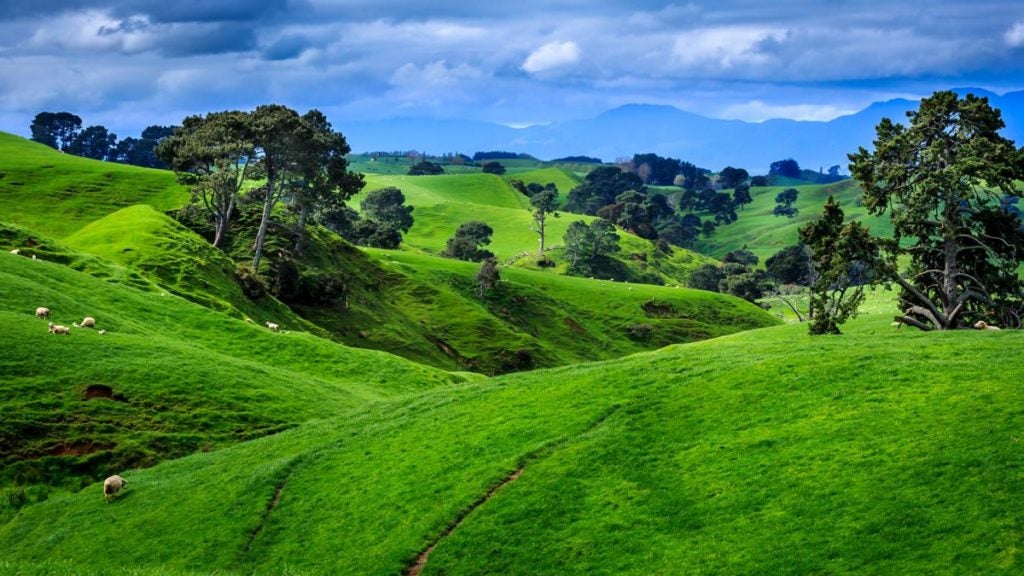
421, 560
274, 500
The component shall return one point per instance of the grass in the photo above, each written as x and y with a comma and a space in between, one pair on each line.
764, 234
767, 451
252, 452
57, 194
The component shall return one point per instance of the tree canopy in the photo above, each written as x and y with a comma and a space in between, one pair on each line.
941, 180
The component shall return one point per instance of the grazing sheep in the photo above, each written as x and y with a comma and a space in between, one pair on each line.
58, 329
113, 485
102, 332
273, 327
88, 322
42, 312
982, 325
16, 251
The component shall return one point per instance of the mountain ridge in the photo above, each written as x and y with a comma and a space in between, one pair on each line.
635, 128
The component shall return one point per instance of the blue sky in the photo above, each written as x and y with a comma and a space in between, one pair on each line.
130, 64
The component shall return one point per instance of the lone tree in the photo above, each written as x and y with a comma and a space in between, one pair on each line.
843, 256
784, 203
467, 241
493, 168
211, 155
543, 204
487, 277
941, 180
387, 206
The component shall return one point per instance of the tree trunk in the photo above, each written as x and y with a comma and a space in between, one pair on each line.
540, 230
261, 236
303, 217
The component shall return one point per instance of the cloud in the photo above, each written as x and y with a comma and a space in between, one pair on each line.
1015, 35
726, 47
551, 56
758, 111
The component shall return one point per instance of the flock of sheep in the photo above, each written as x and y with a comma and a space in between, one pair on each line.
87, 322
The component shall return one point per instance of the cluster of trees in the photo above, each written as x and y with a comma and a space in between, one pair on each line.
579, 160
425, 168
500, 155
467, 242
63, 131
585, 245
301, 158
621, 197
738, 276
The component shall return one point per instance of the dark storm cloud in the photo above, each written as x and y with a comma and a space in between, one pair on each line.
156, 10
540, 60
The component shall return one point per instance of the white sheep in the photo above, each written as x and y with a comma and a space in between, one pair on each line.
113, 485
273, 327
102, 332
42, 312
58, 329
982, 325
88, 322
16, 251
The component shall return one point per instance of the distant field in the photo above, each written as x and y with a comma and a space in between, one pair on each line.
764, 234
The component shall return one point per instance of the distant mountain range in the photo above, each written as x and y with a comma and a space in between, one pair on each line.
667, 131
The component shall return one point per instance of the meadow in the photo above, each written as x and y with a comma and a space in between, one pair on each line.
715, 439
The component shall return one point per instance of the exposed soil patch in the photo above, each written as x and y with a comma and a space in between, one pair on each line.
102, 391
574, 326
75, 449
417, 566
445, 347
656, 309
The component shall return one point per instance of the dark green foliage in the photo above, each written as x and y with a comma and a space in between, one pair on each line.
759, 181
791, 265
600, 188
376, 234
142, 151
842, 256
694, 178
743, 282
56, 129
387, 206
501, 155
707, 277
741, 195
730, 177
784, 203
653, 169
579, 160
586, 246
742, 257
212, 156
493, 168
94, 142
941, 180
788, 168
487, 277
467, 241
425, 168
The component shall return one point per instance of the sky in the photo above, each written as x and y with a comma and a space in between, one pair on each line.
130, 64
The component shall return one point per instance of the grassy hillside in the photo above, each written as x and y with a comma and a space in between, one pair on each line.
765, 234
56, 194
768, 451
431, 315
442, 203
564, 180
170, 376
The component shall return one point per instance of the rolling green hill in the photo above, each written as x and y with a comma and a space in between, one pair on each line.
764, 234
425, 309
768, 451
56, 194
